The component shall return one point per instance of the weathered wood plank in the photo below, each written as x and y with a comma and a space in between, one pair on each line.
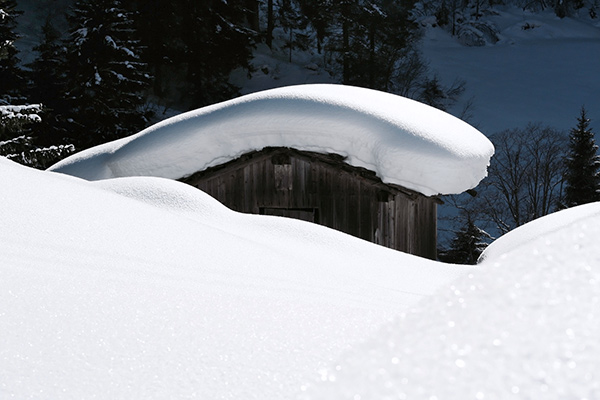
324, 189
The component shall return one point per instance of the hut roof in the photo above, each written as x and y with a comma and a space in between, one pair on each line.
404, 142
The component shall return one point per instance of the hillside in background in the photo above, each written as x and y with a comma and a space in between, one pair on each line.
541, 68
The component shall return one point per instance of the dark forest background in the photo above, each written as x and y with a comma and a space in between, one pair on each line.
100, 69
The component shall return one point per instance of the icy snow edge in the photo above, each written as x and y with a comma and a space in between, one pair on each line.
403, 141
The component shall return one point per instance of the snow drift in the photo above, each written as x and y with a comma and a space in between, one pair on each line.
523, 325
403, 141
525, 235
148, 288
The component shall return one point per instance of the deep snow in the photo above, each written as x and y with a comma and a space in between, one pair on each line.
524, 235
149, 288
523, 325
403, 141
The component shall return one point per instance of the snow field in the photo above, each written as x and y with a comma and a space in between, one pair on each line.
523, 325
148, 288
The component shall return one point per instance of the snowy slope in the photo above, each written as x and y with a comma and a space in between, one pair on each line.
524, 235
403, 141
272, 69
543, 74
524, 325
148, 288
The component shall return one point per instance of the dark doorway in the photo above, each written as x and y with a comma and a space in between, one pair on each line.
305, 214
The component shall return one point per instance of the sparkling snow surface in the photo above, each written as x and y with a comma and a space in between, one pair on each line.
148, 288
403, 141
524, 235
524, 325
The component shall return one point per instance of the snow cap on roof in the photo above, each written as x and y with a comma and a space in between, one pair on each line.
404, 142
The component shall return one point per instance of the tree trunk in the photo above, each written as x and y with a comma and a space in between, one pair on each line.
346, 52
372, 57
253, 14
291, 43
270, 23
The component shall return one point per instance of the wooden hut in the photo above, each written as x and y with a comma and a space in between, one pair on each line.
403, 141
323, 189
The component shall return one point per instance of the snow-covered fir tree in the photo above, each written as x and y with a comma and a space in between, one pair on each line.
22, 148
11, 75
106, 76
17, 141
14, 117
157, 25
11, 117
47, 85
582, 179
467, 245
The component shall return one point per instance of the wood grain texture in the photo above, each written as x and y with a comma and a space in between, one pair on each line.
324, 189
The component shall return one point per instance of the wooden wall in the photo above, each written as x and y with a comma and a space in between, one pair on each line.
323, 189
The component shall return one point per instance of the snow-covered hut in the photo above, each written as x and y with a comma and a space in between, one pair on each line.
324, 189
367, 163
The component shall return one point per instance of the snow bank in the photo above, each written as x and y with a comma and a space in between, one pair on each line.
524, 235
403, 141
148, 288
524, 325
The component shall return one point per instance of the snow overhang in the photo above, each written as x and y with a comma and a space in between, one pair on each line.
403, 141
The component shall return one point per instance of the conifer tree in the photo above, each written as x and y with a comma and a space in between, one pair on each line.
292, 20
16, 140
11, 76
582, 180
107, 78
22, 148
319, 14
215, 42
270, 23
371, 37
467, 245
193, 46
158, 24
47, 86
